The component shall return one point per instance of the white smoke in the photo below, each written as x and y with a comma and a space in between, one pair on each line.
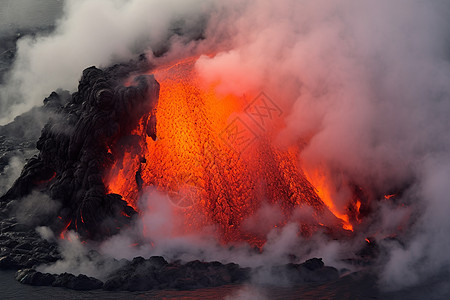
46, 233
94, 32
365, 84
77, 258
35, 209
426, 255
33, 14
11, 172
160, 230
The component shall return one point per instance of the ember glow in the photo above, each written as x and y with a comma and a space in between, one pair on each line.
214, 165
387, 197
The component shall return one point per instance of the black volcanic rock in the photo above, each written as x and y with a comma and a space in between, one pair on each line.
33, 277
23, 248
311, 271
313, 264
70, 281
78, 145
80, 282
155, 273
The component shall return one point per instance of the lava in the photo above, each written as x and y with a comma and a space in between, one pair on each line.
62, 235
211, 163
47, 180
319, 181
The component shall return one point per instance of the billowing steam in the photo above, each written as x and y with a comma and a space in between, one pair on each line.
363, 85
98, 32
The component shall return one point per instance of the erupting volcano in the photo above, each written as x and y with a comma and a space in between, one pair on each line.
197, 143
217, 166
211, 154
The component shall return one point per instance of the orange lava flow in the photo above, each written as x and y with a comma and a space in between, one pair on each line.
387, 197
358, 206
213, 161
62, 235
319, 181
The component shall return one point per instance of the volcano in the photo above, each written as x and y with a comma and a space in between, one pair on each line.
124, 131
210, 153
216, 165
215, 143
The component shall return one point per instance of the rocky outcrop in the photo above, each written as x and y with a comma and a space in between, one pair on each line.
311, 271
22, 247
70, 281
156, 273
78, 144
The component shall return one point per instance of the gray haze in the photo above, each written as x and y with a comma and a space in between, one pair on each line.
25, 14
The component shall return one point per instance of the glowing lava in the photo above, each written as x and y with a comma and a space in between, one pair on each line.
319, 181
214, 164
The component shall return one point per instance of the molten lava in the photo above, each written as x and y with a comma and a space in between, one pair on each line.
319, 181
208, 158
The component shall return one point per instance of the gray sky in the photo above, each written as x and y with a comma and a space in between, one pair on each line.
18, 14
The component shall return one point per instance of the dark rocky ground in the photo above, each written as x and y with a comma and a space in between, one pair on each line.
22, 249
156, 273
20, 245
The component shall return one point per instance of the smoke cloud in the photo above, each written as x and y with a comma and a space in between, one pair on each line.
78, 258
10, 173
36, 209
98, 32
364, 86
160, 230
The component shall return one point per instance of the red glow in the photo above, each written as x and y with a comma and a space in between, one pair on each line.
62, 235
46, 180
358, 206
209, 180
319, 181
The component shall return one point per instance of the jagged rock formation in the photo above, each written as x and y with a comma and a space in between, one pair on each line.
79, 142
21, 246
